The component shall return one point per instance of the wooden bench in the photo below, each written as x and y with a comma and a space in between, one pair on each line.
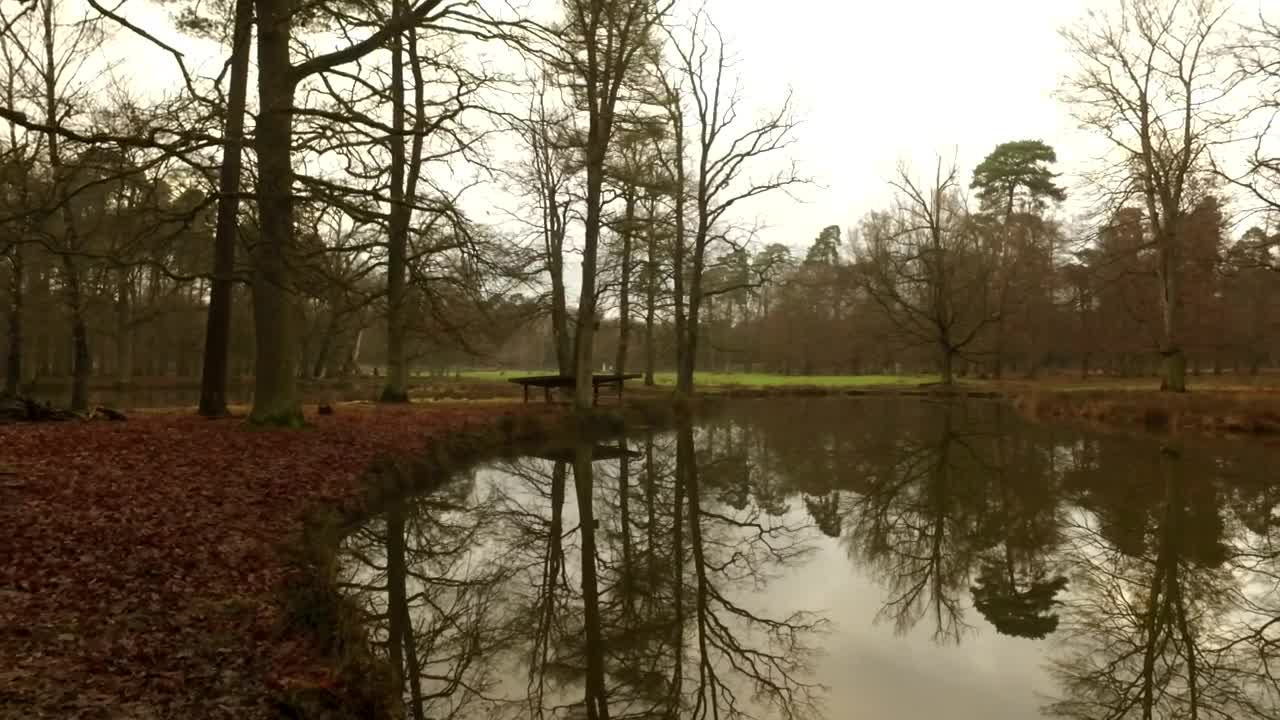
547, 382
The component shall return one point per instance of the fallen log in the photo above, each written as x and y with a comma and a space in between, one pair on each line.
21, 409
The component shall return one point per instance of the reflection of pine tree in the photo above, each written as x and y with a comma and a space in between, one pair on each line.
1021, 613
825, 511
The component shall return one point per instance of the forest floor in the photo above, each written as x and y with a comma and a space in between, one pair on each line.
143, 566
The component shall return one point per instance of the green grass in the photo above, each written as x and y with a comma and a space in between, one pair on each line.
713, 379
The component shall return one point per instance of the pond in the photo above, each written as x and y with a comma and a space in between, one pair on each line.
839, 558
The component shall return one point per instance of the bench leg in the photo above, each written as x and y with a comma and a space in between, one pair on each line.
595, 395
619, 393
546, 393
526, 394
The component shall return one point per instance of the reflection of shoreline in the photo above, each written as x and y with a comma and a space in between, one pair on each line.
944, 508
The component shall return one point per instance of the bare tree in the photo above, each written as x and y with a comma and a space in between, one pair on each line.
1258, 62
926, 266
604, 39
217, 343
548, 175
727, 146
1150, 79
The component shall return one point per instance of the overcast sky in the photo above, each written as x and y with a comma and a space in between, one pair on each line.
883, 81
879, 82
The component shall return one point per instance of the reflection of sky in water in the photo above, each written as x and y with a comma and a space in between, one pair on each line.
871, 672
1043, 500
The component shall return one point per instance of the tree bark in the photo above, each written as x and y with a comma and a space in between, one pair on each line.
396, 389
275, 398
684, 385
585, 337
217, 339
560, 311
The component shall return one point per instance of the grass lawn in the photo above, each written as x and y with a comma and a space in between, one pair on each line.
714, 379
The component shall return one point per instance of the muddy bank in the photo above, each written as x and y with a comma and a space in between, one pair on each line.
1213, 412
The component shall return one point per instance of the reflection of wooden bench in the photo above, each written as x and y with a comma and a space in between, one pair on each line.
546, 382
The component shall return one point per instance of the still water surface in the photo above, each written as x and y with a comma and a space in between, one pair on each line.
871, 558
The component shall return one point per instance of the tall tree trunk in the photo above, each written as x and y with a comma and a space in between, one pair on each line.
1173, 360
560, 311
217, 338
651, 299
688, 360
71, 281
684, 386
624, 285
13, 361
397, 387
124, 329
275, 396
80, 359
584, 339
948, 363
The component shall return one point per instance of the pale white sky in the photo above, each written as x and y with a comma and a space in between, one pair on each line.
879, 82
875, 82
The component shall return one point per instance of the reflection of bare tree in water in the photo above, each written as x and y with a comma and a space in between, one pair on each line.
628, 598
428, 604
917, 524
1014, 590
1163, 620
732, 645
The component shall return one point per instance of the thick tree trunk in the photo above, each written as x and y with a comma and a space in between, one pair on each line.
560, 312
397, 387
275, 397
71, 280
217, 338
624, 286
684, 384
688, 360
948, 362
13, 360
585, 337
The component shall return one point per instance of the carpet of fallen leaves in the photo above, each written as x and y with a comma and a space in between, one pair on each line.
141, 563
